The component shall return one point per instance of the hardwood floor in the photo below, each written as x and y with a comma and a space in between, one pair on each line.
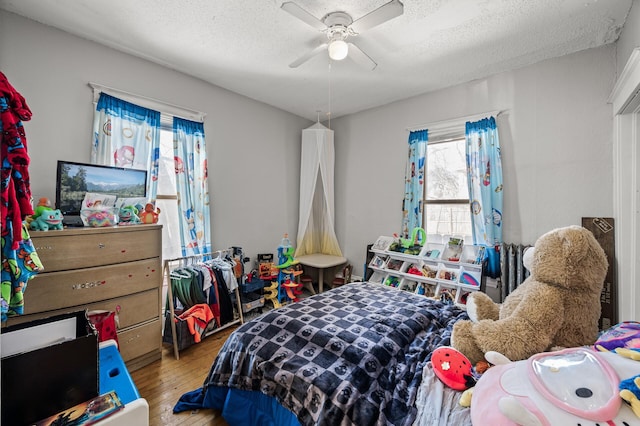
163, 382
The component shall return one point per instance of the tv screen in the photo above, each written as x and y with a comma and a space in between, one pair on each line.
74, 180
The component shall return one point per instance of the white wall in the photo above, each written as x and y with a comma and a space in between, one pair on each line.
556, 140
253, 149
629, 37
555, 133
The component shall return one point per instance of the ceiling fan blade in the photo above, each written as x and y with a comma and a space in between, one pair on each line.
304, 58
303, 15
382, 14
361, 58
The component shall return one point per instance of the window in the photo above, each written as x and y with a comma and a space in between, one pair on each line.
446, 192
167, 198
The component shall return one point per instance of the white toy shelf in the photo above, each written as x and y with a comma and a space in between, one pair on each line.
451, 270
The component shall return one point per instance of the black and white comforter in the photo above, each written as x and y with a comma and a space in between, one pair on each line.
353, 355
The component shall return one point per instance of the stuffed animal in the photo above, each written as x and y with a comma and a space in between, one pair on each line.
149, 215
575, 386
558, 305
48, 219
128, 215
44, 204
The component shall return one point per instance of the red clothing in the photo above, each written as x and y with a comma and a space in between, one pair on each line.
197, 318
15, 194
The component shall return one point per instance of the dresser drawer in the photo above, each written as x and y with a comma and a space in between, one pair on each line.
134, 309
140, 340
55, 290
64, 250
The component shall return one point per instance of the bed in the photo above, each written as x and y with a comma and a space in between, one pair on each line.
358, 354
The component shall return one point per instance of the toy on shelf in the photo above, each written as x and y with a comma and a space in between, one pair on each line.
128, 215
453, 250
48, 219
149, 215
44, 204
411, 245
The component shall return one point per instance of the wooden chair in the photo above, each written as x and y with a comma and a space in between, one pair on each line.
344, 277
307, 282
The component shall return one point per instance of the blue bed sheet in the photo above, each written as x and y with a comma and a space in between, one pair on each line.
238, 407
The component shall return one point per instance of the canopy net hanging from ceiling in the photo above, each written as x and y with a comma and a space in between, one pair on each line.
316, 233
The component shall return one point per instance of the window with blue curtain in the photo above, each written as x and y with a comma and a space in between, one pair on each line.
127, 135
414, 182
484, 165
191, 185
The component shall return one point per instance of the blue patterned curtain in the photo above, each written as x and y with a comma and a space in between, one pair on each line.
127, 135
191, 183
414, 182
484, 166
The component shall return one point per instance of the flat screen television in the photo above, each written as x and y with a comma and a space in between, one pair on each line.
74, 180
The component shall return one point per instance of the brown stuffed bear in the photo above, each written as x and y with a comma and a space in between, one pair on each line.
558, 305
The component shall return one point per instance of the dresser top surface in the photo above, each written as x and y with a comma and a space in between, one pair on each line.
89, 230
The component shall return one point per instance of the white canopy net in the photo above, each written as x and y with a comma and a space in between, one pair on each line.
316, 232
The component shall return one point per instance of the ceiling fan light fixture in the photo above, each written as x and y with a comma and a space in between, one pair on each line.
338, 50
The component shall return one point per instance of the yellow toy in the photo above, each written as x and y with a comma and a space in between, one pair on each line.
271, 294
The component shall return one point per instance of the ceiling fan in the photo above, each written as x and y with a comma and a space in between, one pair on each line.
339, 26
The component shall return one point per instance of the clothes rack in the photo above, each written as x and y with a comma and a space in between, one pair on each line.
170, 264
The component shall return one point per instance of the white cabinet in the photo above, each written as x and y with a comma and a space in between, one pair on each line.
442, 271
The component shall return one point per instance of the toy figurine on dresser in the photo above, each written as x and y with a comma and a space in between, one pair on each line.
149, 215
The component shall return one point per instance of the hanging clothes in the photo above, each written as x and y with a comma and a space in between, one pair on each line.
20, 262
210, 282
225, 302
198, 318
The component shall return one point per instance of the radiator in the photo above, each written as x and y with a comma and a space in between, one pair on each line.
513, 272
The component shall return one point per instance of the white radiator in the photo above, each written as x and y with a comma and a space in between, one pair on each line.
513, 272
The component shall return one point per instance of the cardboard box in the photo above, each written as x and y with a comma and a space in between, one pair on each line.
603, 229
47, 366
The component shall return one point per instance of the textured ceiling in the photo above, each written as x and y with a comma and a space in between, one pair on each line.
246, 46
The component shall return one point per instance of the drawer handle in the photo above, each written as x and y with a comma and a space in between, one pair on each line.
90, 284
44, 248
101, 245
137, 336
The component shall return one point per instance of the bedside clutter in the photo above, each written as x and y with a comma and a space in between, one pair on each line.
114, 376
51, 365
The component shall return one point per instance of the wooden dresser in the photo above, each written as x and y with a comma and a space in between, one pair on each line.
117, 269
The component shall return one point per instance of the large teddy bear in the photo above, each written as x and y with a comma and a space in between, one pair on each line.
557, 305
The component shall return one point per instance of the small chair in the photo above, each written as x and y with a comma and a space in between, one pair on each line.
344, 277
307, 282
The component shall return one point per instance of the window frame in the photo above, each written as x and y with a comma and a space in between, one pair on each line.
454, 135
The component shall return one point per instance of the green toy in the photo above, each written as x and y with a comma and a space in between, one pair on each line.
44, 204
128, 214
48, 219
411, 245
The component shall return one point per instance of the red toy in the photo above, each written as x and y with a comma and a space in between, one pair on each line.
452, 368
